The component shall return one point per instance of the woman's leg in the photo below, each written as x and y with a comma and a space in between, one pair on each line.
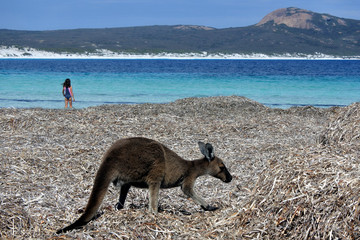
66, 102
70, 100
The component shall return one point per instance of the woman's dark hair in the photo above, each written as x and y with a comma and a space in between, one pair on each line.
67, 83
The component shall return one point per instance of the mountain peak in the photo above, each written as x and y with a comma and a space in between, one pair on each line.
300, 18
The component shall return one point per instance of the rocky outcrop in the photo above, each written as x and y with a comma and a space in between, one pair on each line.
300, 18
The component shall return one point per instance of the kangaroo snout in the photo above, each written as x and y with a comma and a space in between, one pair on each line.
228, 179
224, 175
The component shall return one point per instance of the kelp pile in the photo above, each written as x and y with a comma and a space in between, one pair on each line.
296, 171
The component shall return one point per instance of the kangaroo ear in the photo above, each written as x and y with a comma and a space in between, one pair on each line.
207, 150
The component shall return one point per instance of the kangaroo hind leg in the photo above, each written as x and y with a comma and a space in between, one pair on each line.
154, 197
124, 189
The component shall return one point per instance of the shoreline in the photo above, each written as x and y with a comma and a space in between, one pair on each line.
269, 105
31, 53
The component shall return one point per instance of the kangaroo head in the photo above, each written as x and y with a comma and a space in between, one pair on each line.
216, 167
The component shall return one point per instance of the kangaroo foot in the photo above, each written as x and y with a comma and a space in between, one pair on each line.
209, 208
119, 206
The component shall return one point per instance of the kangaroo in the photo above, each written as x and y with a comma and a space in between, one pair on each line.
145, 163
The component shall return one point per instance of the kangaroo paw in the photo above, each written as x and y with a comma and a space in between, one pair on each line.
185, 212
119, 206
209, 208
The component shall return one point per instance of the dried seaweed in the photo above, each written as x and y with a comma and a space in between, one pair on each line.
285, 184
344, 128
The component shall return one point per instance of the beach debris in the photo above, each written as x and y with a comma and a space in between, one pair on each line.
343, 129
285, 184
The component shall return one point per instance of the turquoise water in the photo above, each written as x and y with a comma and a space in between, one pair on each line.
26, 83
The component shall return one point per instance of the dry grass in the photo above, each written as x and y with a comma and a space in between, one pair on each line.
285, 184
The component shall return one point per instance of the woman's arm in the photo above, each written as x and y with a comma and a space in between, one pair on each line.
72, 94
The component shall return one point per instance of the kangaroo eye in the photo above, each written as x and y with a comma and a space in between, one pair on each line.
222, 168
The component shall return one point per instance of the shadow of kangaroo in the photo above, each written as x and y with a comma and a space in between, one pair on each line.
146, 163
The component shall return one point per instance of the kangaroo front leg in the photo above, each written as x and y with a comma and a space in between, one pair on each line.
154, 197
189, 191
123, 193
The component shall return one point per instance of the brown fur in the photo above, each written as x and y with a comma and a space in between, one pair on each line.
146, 163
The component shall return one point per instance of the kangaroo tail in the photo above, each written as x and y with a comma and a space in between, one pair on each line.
102, 181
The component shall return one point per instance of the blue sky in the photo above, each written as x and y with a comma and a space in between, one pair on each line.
71, 14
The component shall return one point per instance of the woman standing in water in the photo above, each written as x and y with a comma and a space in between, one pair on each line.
68, 93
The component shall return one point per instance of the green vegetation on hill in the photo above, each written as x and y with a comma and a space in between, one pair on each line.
328, 37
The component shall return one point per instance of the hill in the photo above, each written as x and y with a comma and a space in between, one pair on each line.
288, 30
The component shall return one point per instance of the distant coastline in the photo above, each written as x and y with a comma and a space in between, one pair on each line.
29, 53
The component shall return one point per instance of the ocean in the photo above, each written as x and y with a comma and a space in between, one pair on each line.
32, 83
